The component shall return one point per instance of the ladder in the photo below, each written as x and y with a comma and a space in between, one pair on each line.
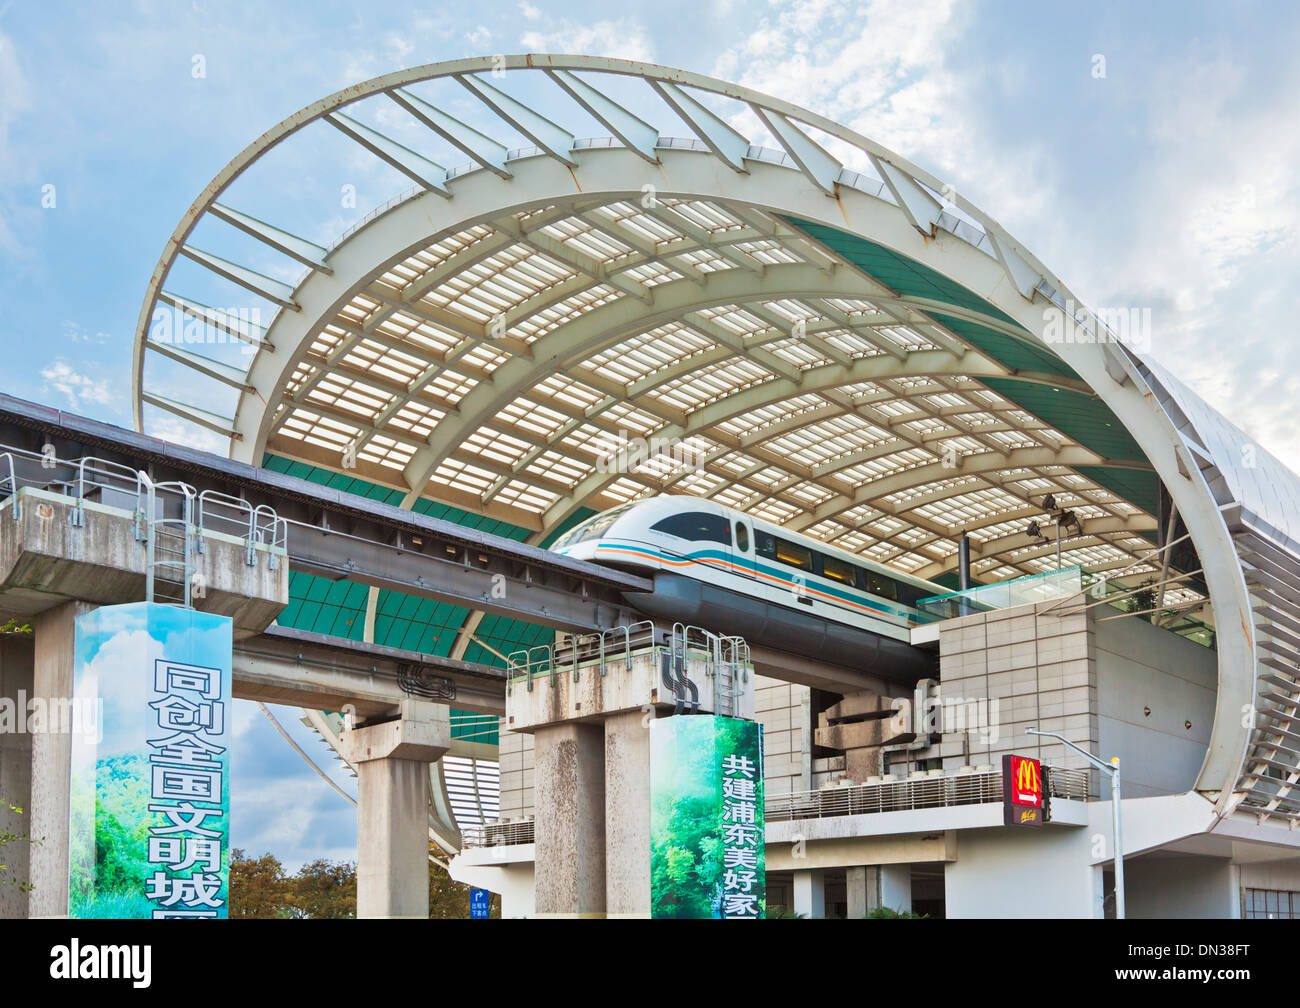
165, 520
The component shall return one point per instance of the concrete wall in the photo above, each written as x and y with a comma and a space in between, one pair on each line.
517, 770
1141, 667
1004, 873
1089, 679
782, 709
16, 668
1181, 887
1037, 667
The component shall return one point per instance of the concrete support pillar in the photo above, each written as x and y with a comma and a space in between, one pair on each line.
54, 649
15, 771
896, 887
810, 893
627, 815
570, 827
392, 762
863, 890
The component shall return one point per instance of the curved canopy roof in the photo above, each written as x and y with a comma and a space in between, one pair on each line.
571, 259
803, 374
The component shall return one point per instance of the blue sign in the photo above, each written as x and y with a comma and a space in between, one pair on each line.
480, 903
150, 816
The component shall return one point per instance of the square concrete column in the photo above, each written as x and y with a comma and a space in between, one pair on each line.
627, 814
570, 826
55, 647
392, 762
896, 887
863, 890
810, 893
15, 772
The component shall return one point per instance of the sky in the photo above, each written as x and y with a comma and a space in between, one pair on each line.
1147, 153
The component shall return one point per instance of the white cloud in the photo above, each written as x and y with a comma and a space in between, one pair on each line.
77, 388
621, 38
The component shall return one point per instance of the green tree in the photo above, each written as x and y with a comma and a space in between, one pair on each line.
449, 899
324, 890
258, 887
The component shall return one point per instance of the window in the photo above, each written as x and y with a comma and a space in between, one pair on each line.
878, 584
765, 544
839, 570
1270, 904
793, 555
909, 595
696, 526
742, 537
591, 528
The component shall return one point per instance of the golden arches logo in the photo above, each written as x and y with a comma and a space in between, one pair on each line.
1027, 778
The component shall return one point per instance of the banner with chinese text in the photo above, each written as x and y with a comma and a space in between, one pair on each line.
706, 818
150, 826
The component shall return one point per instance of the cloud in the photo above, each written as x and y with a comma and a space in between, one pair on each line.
622, 38
77, 388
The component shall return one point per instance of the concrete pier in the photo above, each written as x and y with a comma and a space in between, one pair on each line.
51, 781
392, 762
627, 814
570, 833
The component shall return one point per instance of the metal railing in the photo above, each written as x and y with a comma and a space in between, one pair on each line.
498, 834
572, 653
169, 519
256, 526
921, 790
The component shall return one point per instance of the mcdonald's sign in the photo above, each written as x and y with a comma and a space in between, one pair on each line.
1023, 802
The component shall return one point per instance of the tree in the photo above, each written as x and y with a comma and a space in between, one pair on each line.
324, 890
258, 888
449, 899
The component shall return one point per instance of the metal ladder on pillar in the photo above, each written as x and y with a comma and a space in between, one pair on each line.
168, 537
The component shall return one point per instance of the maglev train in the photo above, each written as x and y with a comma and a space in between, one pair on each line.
722, 569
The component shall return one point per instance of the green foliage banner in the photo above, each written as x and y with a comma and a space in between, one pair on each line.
150, 826
706, 818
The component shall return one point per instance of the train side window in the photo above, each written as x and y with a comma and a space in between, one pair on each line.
909, 595
793, 555
878, 584
838, 570
765, 544
742, 537
696, 526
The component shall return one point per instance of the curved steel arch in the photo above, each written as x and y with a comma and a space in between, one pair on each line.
802, 182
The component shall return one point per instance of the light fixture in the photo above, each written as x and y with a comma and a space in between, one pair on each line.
1034, 532
1049, 502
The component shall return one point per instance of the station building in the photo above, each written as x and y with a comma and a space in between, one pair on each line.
597, 281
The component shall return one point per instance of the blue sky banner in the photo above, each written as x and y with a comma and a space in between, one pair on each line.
150, 829
706, 818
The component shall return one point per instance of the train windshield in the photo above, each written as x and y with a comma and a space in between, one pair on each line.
591, 528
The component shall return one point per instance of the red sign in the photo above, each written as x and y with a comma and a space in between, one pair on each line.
1022, 791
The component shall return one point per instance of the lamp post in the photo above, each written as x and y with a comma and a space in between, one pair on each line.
1111, 768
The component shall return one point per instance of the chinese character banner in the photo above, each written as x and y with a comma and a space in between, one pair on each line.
150, 826
706, 818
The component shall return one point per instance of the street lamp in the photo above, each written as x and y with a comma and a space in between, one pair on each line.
1111, 768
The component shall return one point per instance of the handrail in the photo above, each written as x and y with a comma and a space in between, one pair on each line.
12, 482
107, 468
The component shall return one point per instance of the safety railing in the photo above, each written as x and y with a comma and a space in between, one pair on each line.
178, 514
576, 652
256, 526
9, 483
919, 791
498, 834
